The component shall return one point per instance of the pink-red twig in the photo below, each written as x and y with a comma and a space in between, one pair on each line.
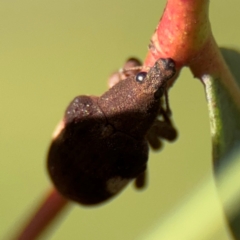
48, 210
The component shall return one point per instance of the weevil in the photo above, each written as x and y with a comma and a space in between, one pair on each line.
102, 143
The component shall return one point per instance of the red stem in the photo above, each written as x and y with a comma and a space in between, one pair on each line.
181, 32
184, 34
48, 210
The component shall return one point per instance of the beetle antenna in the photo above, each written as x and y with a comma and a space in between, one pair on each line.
168, 109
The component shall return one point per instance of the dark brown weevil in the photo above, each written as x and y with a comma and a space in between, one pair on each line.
101, 144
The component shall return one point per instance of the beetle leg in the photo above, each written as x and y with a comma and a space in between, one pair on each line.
140, 181
131, 67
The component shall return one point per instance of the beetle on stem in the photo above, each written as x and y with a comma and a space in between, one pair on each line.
102, 144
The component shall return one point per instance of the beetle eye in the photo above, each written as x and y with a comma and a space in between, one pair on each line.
140, 76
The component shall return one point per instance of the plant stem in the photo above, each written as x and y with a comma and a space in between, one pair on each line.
184, 34
181, 32
48, 210
210, 62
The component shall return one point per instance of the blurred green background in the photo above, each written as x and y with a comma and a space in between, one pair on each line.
51, 51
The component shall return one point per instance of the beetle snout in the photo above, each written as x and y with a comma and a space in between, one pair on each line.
168, 63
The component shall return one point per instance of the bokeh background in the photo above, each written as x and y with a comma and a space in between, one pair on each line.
51, 51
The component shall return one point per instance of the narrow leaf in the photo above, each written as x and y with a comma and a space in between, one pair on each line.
225, 125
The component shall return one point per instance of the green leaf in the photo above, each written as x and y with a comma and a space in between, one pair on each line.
225, 126
224, 114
